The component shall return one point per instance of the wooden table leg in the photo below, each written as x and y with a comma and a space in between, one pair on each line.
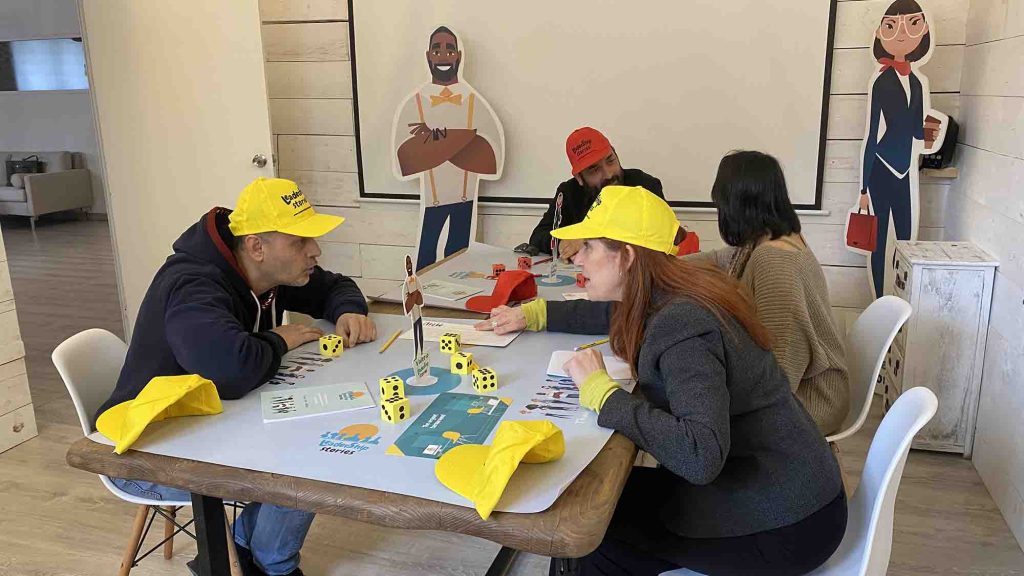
210, 535
502, 563
566, 565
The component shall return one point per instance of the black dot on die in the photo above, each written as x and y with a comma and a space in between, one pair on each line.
324, 346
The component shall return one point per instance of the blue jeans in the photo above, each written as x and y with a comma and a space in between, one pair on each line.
460, 220
273, 534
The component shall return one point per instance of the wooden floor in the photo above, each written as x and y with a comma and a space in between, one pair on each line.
56, 520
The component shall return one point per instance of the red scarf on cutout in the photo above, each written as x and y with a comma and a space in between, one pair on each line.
902, 68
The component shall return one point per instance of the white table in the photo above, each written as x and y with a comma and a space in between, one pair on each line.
478, 259
239, 438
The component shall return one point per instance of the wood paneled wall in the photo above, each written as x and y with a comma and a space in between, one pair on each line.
310, 89
986, 206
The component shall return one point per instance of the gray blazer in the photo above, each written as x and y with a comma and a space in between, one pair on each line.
717, 412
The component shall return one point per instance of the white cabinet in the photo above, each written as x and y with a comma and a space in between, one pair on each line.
942, 346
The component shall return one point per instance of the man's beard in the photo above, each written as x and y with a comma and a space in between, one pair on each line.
613, 181
445, 75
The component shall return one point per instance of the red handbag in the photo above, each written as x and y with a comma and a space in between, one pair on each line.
862, 231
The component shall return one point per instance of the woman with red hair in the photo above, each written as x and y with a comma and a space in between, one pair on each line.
746, 484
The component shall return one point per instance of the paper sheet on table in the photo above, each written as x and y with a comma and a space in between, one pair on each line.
617, 368
448, 290
289, 403
433, 329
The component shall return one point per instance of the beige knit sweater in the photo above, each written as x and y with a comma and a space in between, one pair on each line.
791, 297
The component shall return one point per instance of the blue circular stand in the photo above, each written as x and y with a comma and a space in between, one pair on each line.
446, 382
561, 280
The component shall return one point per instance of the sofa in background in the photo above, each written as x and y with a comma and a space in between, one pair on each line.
65, 184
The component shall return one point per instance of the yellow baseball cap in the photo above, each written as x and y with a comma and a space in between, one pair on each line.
163, 397
480, 473
629, 214
277, 205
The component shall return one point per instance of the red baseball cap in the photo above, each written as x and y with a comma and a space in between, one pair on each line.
512, 286
584, 147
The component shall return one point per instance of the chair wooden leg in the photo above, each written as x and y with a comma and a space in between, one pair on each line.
236, 569
168, 532
133, 543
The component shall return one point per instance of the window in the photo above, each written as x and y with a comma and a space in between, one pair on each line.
57, 64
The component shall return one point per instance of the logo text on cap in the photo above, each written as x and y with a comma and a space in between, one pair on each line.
294, 199
581, 148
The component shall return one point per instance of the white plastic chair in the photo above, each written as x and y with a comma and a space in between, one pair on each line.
867, 543
89, 363
866, 345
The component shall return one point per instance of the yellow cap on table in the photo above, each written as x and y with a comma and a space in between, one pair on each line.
277, 205
163, 397
630, 214
480, 473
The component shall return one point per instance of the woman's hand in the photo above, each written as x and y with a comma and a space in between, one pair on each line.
504, 320
583, 364
864, 203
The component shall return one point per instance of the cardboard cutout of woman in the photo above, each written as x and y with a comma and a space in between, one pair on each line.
900, 127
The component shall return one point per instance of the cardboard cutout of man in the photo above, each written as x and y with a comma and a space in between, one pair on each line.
900, 127
448, 136
412, 303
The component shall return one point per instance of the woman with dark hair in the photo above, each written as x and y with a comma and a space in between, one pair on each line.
768, 255
896, 123
747, 484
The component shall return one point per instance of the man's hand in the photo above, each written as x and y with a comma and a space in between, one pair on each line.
504, 320
356, 329
864, 203
419, 129
568, 248
296, 335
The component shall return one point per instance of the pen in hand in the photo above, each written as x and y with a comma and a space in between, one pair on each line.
590, 345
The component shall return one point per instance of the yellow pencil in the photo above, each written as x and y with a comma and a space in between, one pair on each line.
390, 340
591, 345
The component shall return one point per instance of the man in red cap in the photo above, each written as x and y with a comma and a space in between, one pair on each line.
595, 164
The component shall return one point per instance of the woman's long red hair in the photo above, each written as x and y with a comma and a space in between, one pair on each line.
655, 272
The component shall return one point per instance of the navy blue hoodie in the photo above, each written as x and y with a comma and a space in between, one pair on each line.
200, 317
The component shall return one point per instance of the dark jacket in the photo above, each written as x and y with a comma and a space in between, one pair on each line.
904, 123
576, 201
739, 451
200, 317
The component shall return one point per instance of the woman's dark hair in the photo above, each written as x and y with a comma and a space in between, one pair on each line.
895, 9
752, 200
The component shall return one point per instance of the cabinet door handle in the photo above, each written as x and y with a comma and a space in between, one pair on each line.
18, 427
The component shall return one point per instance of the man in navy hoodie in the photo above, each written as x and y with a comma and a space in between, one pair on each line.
214, 309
